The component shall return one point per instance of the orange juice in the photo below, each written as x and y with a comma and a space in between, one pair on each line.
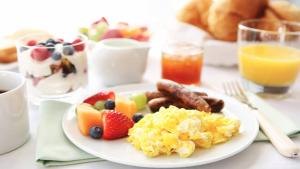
182, 63
269, 65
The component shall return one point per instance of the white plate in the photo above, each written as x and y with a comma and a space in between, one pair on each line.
120, 151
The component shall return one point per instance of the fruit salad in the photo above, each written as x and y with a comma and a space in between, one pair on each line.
181, 131
109, 116
53, 66
101, 29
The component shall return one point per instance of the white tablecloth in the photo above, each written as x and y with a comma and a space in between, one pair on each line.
258, 156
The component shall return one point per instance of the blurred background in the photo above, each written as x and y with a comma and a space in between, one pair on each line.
62, 15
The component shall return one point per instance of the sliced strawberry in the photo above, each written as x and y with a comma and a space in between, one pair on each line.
115, 125
102, 95
40, 53
31, 43
78, 45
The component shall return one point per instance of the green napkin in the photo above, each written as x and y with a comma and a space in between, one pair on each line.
276, 118
53, 148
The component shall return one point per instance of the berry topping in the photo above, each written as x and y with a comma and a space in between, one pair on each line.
115, 125
56, 56
78, 45
51, 41
137, 117
50, 46
96, 132
31, 43
68, 50
99, 105
100, 96
40, 53
109, 104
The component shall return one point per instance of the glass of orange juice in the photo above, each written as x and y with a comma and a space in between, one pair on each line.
182, 62
269, 55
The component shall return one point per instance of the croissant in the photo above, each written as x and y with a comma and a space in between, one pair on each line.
225, 15
285, 10
195, 12
220, 18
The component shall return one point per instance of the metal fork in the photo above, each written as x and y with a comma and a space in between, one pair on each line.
278, 138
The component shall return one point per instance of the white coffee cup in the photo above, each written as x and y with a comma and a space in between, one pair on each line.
14, 123
118, 61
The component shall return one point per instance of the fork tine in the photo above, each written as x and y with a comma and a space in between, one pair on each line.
235, 88
231, 88
241, 90
225, 88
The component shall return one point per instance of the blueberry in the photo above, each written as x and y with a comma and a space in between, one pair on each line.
96, 132
109, 104
50, 46
137, 117
56, 56
50, 41
68, 50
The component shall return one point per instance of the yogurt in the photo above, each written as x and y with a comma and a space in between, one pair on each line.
53, 67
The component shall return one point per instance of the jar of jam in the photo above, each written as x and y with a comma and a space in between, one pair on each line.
182, 63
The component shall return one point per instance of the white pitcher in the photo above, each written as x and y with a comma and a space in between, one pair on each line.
118, 61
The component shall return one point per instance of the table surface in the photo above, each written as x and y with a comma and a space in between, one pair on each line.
259, 155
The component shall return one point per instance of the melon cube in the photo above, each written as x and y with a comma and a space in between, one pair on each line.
88, 117
125, 106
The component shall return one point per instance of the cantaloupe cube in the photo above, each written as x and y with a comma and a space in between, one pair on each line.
125, 106
88, 117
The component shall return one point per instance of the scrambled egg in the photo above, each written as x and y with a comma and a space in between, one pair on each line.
174, 130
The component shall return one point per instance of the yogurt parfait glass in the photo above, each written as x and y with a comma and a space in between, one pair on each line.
54, 67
